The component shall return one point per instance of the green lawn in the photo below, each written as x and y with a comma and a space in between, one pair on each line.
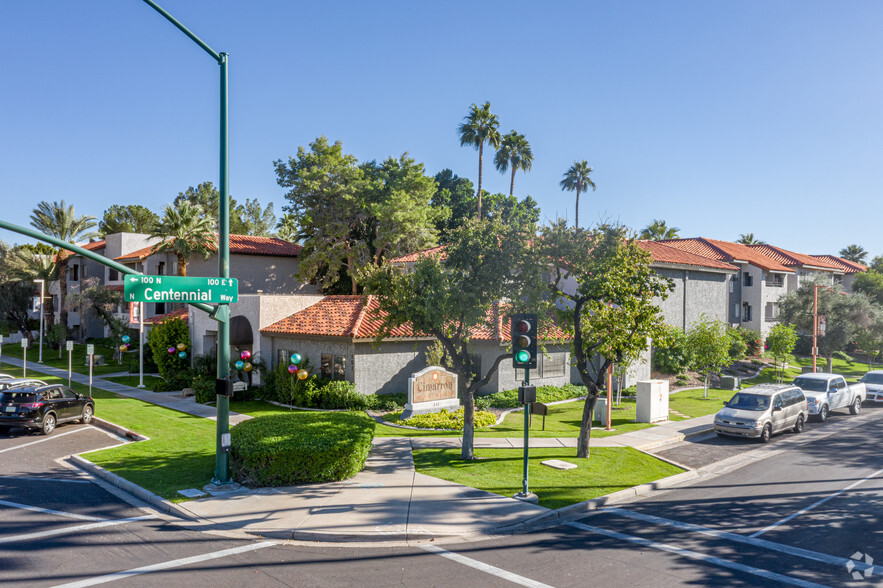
693, 404
499, 471
78, 363
149, 381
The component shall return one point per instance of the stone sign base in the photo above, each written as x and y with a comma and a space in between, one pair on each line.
431, 390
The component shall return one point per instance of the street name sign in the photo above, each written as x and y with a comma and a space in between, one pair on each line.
181, 289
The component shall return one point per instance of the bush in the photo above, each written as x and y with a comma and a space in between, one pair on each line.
203, 388
174, 371
444, 420
752, 340
672, 354
300, 448
843, 356
509, 398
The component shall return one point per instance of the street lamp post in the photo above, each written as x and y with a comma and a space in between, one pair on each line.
42, 301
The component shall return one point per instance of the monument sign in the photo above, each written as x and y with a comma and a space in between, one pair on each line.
431, 390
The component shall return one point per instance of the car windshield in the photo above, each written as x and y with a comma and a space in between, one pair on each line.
811, 384
872, 379
17, 397
749, 402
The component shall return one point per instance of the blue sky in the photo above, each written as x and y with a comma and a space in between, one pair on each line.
720, 117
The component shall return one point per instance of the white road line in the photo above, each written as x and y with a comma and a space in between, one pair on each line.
488, 569
43, 479
815, 504
77, 529
166, 565
50, 438
60, 513
763, 543
724, 563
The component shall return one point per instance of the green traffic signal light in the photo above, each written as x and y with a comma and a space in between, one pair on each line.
522, 356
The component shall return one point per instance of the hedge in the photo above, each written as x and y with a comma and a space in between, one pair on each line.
443, 419
300, 448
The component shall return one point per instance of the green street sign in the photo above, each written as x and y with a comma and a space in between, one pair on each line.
181, 289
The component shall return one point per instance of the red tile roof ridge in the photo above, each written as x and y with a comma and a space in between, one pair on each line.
664, 253
790, 257
732, 252
849, 267
358, 322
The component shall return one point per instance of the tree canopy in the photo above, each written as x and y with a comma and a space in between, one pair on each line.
245, 219
854, 253
480, 126
709, 344
128, 218
185, 231
749, 239
514, 153
577, 178
659, 230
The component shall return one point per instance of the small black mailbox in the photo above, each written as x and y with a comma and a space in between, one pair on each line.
224, 387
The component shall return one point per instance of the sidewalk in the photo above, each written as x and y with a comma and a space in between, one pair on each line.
388, 500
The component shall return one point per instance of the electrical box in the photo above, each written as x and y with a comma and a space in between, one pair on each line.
224, 387
600, 413
652, 401
527, 394
730, 383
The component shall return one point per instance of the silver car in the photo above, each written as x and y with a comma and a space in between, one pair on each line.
874, 381
761, 411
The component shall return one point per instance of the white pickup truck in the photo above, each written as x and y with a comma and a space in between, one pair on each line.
827, 392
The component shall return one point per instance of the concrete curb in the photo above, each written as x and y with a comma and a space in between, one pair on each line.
118, 430
150, 498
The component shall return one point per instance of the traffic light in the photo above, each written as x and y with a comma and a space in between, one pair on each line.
524, 341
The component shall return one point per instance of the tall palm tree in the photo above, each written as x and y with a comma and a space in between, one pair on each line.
854, 253
577, 178
186, 231
658, 230
749, 239
29, 265
59, 220
478, 126
514, 152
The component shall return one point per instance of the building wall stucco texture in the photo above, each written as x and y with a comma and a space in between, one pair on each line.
270, 274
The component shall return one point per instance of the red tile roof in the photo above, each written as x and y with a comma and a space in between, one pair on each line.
181, 313
239, 245
664, 253
846, 266
727, 251
791, 259
412, 257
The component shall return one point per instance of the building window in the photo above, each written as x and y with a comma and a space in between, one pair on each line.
732, 284
161, 268
772, 311
553, 365
746, 312
112, 275
333, 366
75, 273
776, 280
746, 280
838, 280
160, 308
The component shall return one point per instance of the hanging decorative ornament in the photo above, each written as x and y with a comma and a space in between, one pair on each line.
245, 355
128, 345
181, 346
171, 350
182, 354
296, 358
292, 369
123, 347
247, 367
239, 364
302, 374
126, 339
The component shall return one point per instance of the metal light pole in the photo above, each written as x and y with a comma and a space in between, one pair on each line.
222, 312
42, 300
815, 325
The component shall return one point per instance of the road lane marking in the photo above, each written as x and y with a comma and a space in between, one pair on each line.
481, 566
45, 439
77, 529
796, 551
815, 504
43, 479
60, 513
166, 565
724, 563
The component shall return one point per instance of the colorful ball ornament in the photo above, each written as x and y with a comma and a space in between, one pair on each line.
171, 350
292, 369
181, 347
182, 354
247, 367
245, 355
296, 358
239, 365
302, 374
126, 339
123, 347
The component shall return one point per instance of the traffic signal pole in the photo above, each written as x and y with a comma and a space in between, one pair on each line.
523, 331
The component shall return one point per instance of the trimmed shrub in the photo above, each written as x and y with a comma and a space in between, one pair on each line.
444, 420
175, 371
752, 341
509, 398
203, 388
300, 448
672, 354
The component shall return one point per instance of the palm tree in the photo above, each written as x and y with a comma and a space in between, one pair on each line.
478, 126
29, 265
749, 239
658, 230
514, 152
854, 253
186, 231
577, 178
59, 220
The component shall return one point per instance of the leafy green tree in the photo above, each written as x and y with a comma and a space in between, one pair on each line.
129, 218
709, 347
173, 369
286, 228
15, 295
854, 253
577, 178
749, 239
478, 127
60, 221
186, 231
658, 230
671, 352
870, 283
609, 313
256, 221
450, 296
28, 263
846, 315
870, 338
103, 302
208, 198
877, 264
780, 343
515, 154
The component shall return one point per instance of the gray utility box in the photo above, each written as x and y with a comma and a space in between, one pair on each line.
730, 382
600, 414
652, 401
807, 369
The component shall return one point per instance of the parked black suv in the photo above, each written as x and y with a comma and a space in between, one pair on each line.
43, 407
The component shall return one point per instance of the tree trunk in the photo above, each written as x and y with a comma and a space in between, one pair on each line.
182, 265
62, 287
576, 219
351, 271
512, 183
480, 155
830, 359
585, 430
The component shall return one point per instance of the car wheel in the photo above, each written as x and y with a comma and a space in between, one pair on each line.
48, 424
823, 413
87, 415
798, 426
766, 434
856, 406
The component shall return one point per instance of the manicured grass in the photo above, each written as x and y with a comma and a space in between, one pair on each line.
564, 420
499, 471
78, 358
693, 404
149, 381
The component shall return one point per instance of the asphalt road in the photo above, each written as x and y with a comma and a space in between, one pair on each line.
794, 515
